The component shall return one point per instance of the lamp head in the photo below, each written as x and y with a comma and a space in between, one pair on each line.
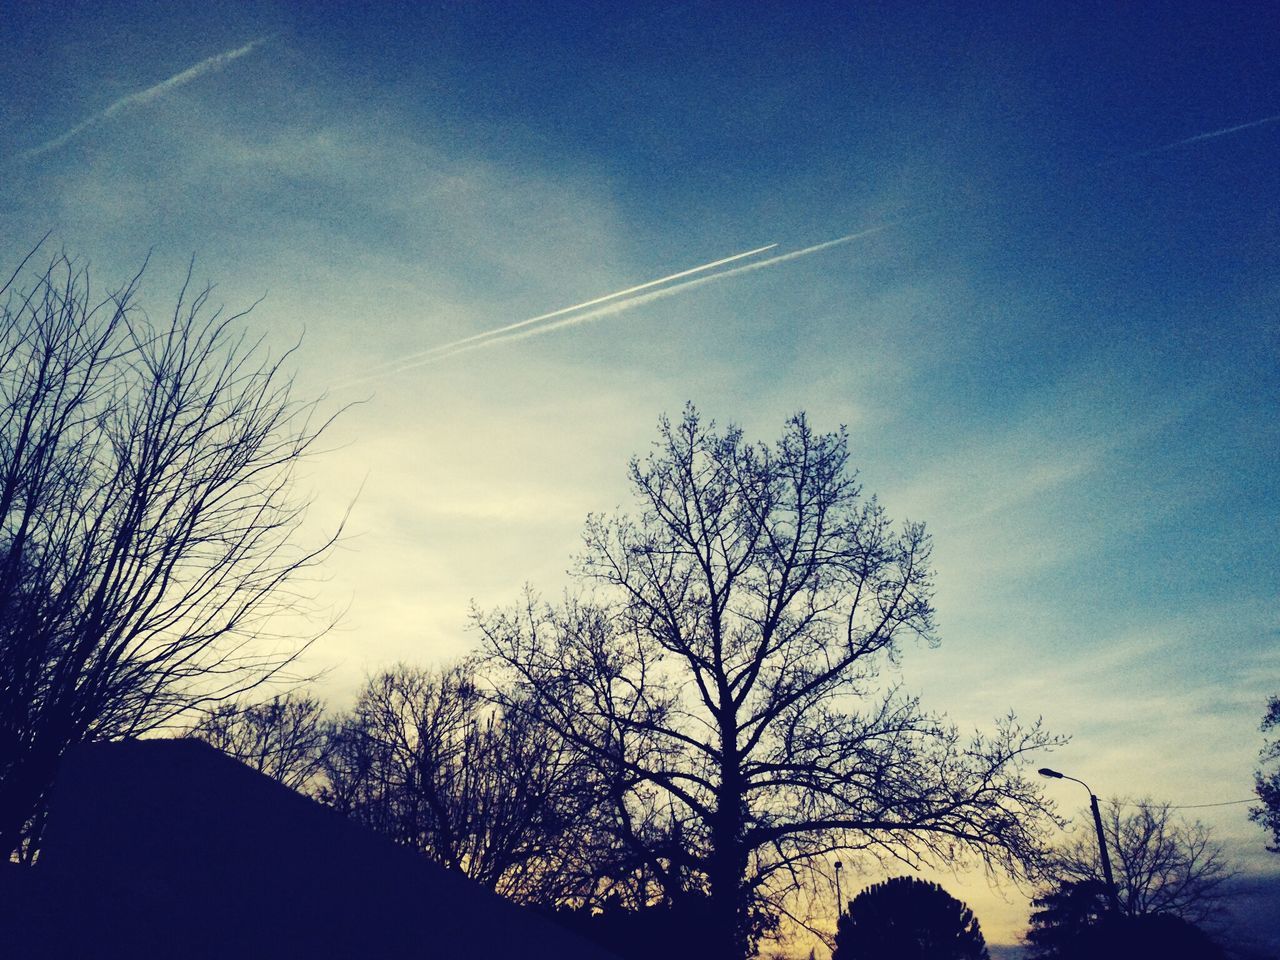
1046, 772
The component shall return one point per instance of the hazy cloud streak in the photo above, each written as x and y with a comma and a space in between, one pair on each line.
132, 100
450, 350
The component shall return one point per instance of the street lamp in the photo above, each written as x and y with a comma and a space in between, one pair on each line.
1102, 841
839, 901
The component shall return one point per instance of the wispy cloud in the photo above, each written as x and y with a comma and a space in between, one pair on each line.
142, 97
620, 301
1199, 137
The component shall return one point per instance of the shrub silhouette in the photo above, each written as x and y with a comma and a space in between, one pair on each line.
908, 919
1153, 935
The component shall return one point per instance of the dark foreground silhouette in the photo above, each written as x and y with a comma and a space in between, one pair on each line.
1155, 936
168, 848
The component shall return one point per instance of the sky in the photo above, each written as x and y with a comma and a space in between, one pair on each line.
1050, 327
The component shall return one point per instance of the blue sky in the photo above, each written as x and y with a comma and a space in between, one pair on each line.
1060, 351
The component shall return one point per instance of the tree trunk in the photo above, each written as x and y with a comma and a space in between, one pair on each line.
727, 864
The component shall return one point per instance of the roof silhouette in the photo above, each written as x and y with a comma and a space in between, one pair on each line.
161, 848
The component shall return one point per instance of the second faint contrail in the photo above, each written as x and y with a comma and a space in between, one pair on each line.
1187, 141
143, 96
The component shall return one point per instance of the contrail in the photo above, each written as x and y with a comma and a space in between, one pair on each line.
1211, 135
143, 96
424, 356
459, 346
677, 288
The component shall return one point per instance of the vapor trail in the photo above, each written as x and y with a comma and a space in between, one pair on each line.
449, 350
143, 96
1211, 135
425, 356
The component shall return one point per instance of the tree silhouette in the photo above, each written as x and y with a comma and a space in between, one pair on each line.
287, 738
908, 919
426, 759
147, 520
1120, 937
1170, 877
1063, 915
1163, 864
723, 670
1267, 785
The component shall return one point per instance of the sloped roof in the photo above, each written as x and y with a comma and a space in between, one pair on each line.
169, 848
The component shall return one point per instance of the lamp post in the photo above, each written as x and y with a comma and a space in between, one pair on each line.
839, 900
1102, 840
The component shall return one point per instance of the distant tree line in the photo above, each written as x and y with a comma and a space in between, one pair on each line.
427, 759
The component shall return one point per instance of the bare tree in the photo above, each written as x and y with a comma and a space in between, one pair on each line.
1267, 785
427, 759
148, 522
724, 672
287, 737
1163, 863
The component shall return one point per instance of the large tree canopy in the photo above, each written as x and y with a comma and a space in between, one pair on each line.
725, 668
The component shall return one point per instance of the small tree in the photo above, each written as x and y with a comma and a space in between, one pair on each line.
148, 520
287, 738
908, 919
1163, 864
1267, 785
724, 674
